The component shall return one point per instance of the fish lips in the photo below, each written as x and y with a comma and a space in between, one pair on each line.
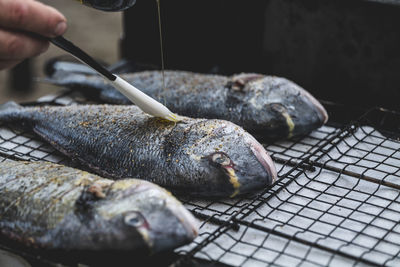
265, 160
313, 114
317, 106
259, 173
179, 229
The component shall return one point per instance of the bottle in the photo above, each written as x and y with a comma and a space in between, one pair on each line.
109, 5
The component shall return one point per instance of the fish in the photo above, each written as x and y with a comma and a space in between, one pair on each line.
269, 107
49, 206
196, 157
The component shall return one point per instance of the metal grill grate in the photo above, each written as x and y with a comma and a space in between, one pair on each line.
336, 201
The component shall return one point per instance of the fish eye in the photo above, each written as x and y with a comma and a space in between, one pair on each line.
134, 219
221, 159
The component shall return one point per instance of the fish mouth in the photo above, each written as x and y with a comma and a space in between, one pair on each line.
187, 220
185, 230
321, 111
264, 159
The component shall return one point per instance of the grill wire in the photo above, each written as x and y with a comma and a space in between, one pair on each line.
336, 201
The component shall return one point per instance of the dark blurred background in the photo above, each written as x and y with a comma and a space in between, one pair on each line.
343, 51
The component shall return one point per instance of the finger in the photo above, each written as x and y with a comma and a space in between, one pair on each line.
18, 46
5, 64
33, 16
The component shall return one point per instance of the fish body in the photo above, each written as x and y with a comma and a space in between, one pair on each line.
267, 106
200, 157
49, 206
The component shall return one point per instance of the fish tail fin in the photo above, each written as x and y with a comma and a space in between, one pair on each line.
62, 72
49, 80
60, 78
8, 111
62, 64
73, 81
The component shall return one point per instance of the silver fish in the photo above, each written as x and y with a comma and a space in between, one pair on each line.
267, 106
50, 206
208, 158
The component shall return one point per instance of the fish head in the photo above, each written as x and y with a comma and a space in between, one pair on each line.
224, 159
282, 105
145, 216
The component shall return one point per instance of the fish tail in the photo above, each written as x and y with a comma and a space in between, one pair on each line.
69, 79
61, 64
61, 78
8, 111
61, 72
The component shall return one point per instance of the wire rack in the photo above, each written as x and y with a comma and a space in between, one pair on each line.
336, 202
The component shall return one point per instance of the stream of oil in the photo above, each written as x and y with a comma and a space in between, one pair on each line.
161, 44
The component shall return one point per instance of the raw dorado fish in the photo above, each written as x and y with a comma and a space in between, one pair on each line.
267, 106
50, 206
199, 157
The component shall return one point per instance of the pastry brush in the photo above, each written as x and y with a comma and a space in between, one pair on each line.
140, 99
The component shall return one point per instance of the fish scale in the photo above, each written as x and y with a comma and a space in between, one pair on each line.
121, 141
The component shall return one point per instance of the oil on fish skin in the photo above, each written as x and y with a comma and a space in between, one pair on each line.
267, 106
198, 157
49, 206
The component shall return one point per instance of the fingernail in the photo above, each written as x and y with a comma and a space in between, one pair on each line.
60, 28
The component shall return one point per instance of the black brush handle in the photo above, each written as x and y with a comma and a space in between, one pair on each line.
68, 46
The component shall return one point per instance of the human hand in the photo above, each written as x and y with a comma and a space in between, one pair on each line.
19, 16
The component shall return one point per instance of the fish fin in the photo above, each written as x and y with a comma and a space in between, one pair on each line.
238, 82
91, 86
48, 135
84, 205
63, 78
8, 111
67, 64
